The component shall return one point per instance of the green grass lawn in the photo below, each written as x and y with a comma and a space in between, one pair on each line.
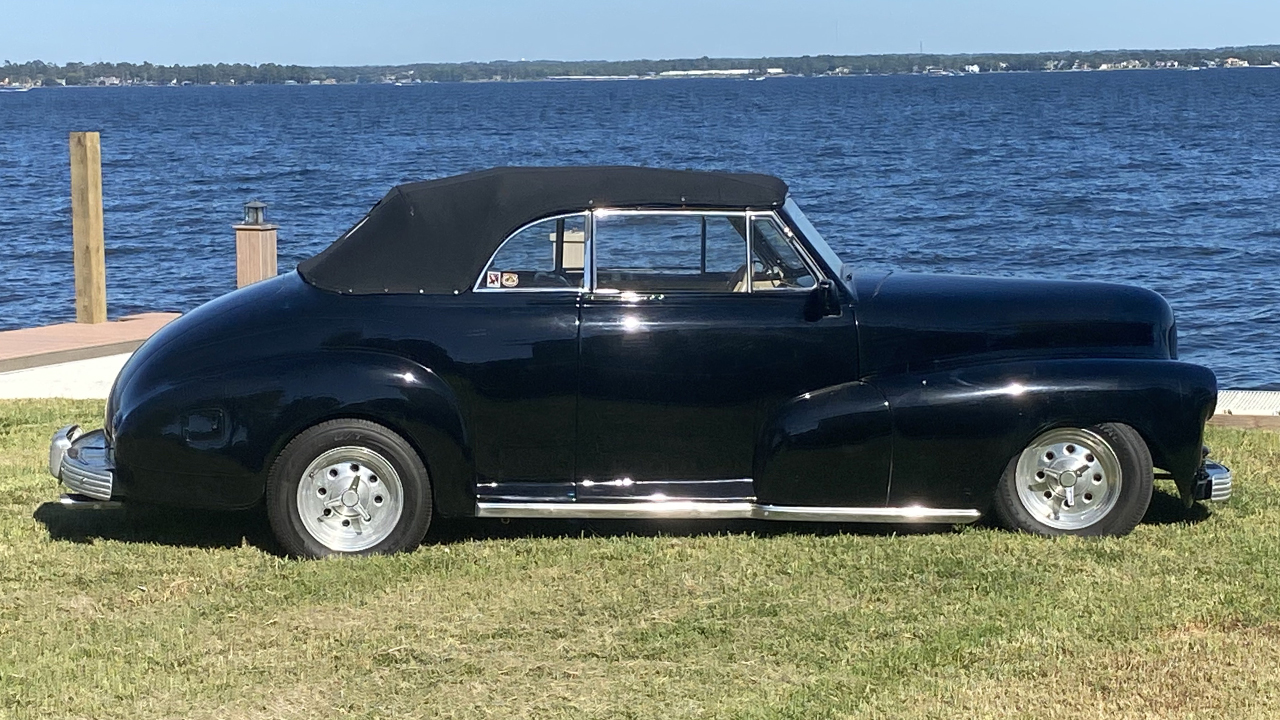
180, 614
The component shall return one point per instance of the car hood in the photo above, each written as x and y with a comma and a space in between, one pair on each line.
927, 322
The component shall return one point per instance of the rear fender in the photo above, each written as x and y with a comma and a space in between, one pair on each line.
210, 442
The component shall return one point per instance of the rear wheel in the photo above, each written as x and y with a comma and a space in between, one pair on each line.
348, 487
1078, 481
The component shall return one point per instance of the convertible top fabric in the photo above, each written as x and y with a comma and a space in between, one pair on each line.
435, 236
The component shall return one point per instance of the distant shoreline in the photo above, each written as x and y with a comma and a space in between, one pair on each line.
38, 74
632, 78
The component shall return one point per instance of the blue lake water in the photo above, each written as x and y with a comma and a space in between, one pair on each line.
1169, 180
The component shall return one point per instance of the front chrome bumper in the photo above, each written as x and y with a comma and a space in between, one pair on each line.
1213, 482
83, 462
1219, 481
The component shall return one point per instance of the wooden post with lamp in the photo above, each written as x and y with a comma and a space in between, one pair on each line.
255, 245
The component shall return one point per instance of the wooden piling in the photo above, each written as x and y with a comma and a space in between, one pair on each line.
255, 253
86, 227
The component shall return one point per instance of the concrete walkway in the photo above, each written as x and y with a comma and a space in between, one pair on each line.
79, 379
71, 360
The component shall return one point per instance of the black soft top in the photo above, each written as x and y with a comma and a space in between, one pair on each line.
435, 236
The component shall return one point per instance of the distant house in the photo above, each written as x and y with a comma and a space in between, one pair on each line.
705, 73
1235, 62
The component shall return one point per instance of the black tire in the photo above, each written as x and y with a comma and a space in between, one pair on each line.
1014, 499
400, 530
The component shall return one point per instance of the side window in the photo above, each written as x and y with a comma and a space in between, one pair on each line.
775, 263
546, 254
670, 252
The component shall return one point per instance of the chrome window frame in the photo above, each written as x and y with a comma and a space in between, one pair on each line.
815, 269
479, 285
813, 237
591, 217
607, 212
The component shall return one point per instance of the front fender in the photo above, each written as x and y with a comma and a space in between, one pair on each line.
955, 431
828, 447
208, 441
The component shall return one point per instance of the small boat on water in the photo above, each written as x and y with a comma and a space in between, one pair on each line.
14, 88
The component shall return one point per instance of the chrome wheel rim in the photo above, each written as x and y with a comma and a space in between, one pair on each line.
350, 499
1069, 478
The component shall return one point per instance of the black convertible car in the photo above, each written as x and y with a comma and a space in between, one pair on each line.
620, 342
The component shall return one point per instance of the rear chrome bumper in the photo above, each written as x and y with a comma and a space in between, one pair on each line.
83, 462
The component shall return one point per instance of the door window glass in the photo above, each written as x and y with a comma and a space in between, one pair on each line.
670, 252
775, 262
545, 255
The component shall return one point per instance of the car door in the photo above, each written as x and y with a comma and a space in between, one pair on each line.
690, 345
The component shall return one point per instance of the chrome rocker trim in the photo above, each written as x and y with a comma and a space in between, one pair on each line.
692, 509
82, 461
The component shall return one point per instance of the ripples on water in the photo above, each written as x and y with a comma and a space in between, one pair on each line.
1168, 180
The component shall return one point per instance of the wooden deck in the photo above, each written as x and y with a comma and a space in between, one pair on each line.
1247, 409
68, 342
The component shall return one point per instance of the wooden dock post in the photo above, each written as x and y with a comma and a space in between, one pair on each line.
255, 246
86, 227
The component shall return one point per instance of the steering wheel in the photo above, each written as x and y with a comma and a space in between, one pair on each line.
542, 279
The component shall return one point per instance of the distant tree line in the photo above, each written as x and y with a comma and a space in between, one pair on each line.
42, 73
37, 72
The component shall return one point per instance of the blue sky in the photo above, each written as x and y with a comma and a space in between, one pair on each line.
334, 32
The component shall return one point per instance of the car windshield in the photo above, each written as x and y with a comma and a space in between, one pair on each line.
819, 245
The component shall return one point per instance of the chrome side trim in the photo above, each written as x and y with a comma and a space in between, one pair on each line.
1219, 481
627, 490
913, 514
685, 509
618, 511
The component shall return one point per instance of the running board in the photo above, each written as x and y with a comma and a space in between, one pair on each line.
690, 509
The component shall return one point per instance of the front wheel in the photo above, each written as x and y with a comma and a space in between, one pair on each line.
348, 487
1078, 481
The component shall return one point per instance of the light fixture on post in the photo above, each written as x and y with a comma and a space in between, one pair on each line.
255, 213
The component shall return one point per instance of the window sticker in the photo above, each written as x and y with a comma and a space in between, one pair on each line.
492, 279
510, 279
